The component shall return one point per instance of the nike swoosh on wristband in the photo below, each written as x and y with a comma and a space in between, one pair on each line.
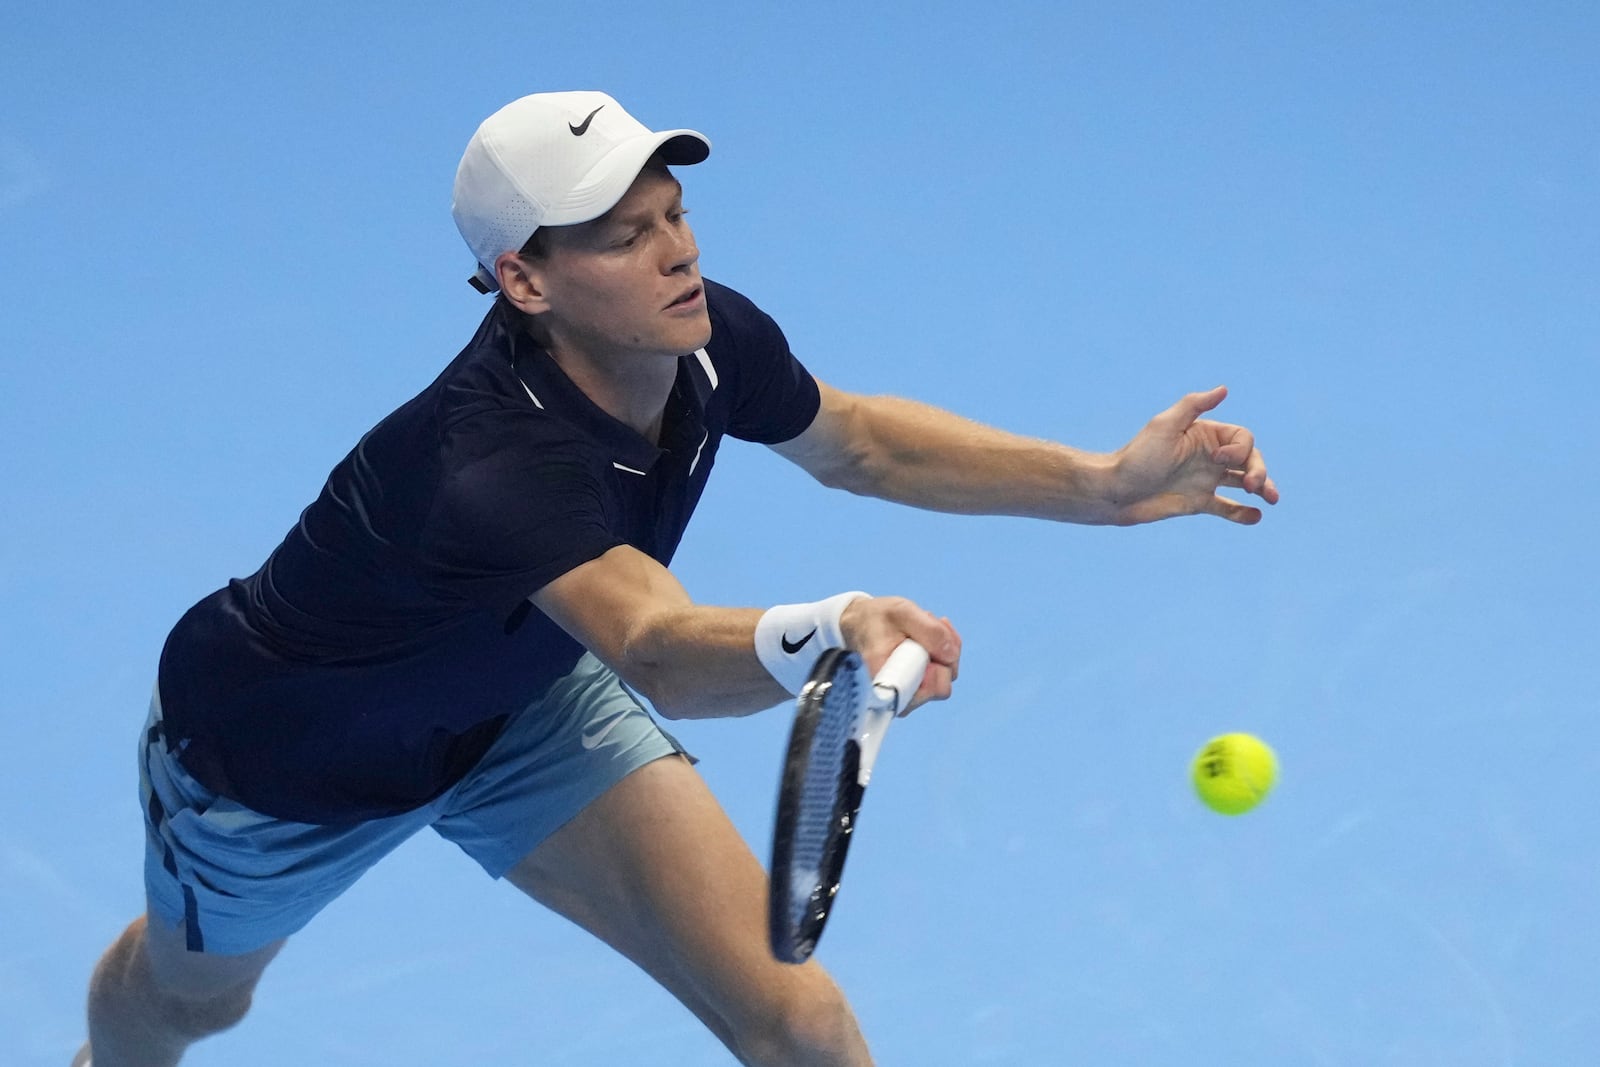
596, 732
583, 127
792, 647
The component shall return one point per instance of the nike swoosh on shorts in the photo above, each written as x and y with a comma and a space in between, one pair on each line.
593, 737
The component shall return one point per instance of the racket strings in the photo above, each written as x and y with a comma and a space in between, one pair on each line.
829, 798
822, 787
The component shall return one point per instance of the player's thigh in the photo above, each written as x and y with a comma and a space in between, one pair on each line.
233, 880
655, 869
189, 975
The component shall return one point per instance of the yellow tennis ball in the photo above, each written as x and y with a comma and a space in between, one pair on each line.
1232, 773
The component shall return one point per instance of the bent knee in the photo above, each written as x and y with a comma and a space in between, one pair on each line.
196, 1018
128, 984
812, 1024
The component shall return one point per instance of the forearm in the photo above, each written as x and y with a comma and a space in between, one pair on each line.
689, 660
696, 662
912, 453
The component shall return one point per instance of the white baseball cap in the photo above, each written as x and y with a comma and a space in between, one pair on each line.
553, 159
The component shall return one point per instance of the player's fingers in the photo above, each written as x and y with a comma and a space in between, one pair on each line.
938, 681
1256, 479
1188, 410
931, 632
1237, 446
937, 684
894, 618
954, 662
1233, 511
1268, 490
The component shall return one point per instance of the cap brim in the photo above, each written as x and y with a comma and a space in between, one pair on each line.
683, 148
609, 180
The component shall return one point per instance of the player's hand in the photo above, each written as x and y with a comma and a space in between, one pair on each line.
1176, 464
875, 626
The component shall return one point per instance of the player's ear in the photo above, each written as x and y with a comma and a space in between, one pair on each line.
522, 283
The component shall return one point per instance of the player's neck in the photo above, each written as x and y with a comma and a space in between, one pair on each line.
631, 387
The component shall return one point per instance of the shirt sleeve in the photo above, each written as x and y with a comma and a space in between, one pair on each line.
774, 396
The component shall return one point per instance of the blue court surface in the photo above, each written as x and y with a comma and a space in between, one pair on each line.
226, 250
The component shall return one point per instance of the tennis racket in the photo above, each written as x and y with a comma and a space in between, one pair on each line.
840, 719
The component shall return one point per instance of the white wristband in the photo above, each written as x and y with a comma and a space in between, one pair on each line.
790, 638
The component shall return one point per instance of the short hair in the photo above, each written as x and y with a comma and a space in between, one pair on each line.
534, 246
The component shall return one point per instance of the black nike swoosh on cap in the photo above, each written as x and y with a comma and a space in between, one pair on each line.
792, 647
583, 127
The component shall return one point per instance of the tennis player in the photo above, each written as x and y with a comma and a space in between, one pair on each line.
467, 630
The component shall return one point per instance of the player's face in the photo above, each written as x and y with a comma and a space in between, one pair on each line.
628, 282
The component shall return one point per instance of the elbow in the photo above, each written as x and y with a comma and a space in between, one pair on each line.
671, 709
676, 693
852, 473
647, 682
834, 477
666, 699
642, 666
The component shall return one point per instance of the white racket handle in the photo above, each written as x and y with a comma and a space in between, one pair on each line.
901, 675
893, 689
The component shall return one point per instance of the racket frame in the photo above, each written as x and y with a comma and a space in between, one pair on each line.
793, 939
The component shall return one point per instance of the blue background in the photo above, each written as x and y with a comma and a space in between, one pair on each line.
225, 250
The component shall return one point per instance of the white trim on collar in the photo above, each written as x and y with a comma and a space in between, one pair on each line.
705, 363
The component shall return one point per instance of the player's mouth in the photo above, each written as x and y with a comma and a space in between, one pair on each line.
691, 299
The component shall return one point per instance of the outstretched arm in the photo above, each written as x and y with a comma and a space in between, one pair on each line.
915, 454
699, 661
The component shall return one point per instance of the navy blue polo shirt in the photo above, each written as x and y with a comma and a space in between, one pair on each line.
375, 656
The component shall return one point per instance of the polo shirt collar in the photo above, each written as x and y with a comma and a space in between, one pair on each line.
548, 386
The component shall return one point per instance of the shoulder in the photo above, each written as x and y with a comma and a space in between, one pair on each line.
510, 481
732, 311
772, 395
740, 330
515, 443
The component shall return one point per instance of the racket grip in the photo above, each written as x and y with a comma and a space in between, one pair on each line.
897, 681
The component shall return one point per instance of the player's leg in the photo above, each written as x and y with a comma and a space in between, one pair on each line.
656, 870
224, 886
588, 806
150, 998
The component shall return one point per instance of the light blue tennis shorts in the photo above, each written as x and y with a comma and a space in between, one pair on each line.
243, 880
